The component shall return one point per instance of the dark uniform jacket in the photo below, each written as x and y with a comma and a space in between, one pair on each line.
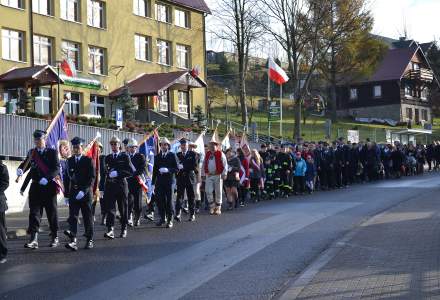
4, 183
50, 158
102, 172
121, 164
81, 176
139, 163
65, 176
189, 162
170, 162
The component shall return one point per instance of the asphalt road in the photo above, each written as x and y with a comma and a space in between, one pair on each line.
250, 253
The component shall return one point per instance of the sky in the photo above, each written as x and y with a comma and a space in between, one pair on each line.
421, 18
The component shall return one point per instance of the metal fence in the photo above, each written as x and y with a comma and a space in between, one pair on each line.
16, 134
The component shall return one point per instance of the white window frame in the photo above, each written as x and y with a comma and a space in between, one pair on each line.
423, 113
42, 100
70, 10
163, 102
181, 18
11, 40
353, 93
72, 50
94, 105
141, 8
42, 7
415, 66
408, 91
182, 102
163, 48
13, 3
162, 12
142, 47
96, 13
72, 107
424, 93
95, 54
377, 91
182, 53
41, 44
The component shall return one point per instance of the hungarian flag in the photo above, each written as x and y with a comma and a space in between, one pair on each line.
68, 68
93, 153
276, 73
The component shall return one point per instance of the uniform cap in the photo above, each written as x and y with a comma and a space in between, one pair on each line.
183, 141
164, 140
125, 141
115, 139
132, 143
39, 134
77, 141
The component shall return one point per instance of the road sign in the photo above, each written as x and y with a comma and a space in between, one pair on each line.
353, 136
274, 111
119, 118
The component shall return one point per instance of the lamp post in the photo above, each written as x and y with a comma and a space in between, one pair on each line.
226, 92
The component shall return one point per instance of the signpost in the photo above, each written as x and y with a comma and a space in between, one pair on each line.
274, 112
353, 136
119, 118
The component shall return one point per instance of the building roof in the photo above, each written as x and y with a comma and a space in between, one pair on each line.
152, 84
39, 75
199, 5
393, 65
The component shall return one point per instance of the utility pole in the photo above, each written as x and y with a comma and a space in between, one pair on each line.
226, 92
31, 33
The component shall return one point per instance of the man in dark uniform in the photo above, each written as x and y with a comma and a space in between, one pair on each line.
339, 163
327, 163
81, 174
138, 164
117, 165
44, 166
4, 183
284, 160
164, 170
186, 178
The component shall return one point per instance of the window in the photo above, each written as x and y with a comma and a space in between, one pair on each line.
42, 101
42, 50
71, 51
96, 13
377, 91
182, 99
182, 56
163, 102
425, 114
181, 18
71, 105
141, 8
96, 60
353, 94
163, 52
142, 47
408, 90
415, 66
97, 105
12, 45
42, 7
163, 12
409, 113
70, 10
424, 94
13, 3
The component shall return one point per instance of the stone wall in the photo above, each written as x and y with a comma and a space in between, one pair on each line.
381, 112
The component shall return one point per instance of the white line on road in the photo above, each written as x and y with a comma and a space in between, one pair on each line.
174, 276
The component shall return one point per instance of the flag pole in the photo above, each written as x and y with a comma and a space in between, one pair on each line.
268, 96
281, 111
48, 130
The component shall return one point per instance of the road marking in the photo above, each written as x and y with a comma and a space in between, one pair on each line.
174, 276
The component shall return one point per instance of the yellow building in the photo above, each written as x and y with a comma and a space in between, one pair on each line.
112, 44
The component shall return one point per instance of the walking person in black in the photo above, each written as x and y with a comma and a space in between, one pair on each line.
135, 193
4, 184
81, 175
43, 166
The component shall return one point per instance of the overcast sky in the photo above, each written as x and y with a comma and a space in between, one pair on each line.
420, 17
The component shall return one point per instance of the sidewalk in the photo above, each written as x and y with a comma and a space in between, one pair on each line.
394, 255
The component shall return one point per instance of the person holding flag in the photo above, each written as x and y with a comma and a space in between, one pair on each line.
149, 149
135, 183
81, 176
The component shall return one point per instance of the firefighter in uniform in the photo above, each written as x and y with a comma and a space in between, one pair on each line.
117, 165
186, 178
44, 167
138, 164
164, 170
81, 175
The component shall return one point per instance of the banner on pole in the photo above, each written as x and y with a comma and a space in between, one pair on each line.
274, 111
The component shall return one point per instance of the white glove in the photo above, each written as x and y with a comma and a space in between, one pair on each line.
66, 200
101, 194
163, 170
152, 189
80, 195
229, 169
180, 166
113, 174
43, 181
19, 172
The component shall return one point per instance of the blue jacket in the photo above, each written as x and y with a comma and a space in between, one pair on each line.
311, 171
300, 168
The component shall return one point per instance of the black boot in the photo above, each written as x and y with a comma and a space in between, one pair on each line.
54, 242
110, 233
123, 233
192, 217
33, 242
178, 216
130, 220
89, 244
72, 245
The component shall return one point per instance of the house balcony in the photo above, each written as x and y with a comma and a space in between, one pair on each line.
422, 74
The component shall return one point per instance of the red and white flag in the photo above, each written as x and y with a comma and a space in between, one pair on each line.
68, 68
276, 73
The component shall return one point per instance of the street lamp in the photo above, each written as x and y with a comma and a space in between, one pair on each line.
226, 92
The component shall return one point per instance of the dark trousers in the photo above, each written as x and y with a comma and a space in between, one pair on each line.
338, 175
184, 184
86, 210
135, 201
300, 183
101, 205
3, 243
255, 188
164, 201
43, 197
327, 178
116, 193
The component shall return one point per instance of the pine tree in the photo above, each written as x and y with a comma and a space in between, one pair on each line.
199, 116
128, 104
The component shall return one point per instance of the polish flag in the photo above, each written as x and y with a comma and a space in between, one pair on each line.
276, 73
68, 68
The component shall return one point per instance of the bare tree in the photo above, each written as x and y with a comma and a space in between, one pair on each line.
240, 26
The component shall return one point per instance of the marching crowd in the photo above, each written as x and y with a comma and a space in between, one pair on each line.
190, 180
